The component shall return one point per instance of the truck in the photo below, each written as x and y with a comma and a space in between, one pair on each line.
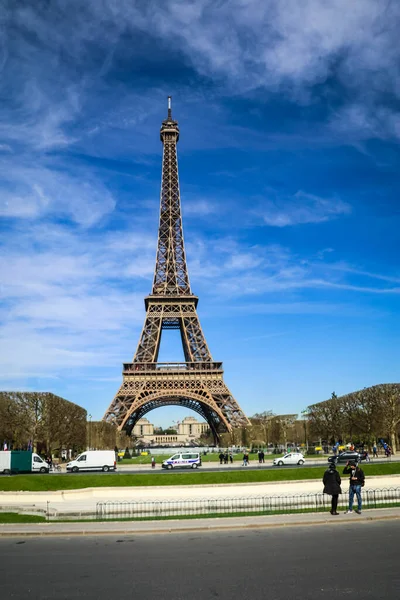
93, 460
21, 461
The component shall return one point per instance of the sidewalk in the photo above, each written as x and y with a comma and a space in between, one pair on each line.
199, 525
83, 501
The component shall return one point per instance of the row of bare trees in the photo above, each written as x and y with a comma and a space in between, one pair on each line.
42, 421
266, 428
105, 436
367, 415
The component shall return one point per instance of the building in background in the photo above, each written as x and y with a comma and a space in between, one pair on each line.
187, 432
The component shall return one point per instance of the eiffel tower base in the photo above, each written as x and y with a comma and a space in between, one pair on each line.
197, 386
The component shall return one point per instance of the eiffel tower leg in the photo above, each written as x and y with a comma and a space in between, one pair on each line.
122, 403
149, 343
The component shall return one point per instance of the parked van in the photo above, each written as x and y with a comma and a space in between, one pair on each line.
93, 460
189, 460
22, 461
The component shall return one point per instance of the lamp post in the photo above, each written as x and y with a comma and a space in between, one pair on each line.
90, 431
305, 421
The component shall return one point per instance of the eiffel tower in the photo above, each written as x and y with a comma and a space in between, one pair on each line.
197, 383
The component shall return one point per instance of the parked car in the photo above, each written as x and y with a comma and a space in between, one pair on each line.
348, 455
292, 458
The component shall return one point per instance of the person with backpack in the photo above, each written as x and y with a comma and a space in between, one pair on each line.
332, 481
357, 481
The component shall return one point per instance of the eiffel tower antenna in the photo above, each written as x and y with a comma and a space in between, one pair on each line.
197, 383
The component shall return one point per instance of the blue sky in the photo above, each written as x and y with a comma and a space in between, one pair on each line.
289, 171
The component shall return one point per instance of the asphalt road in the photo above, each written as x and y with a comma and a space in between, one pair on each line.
355, 560
255, 466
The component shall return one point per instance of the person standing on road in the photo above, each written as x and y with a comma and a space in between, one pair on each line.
231, 458
332, 481
357, 481
221, 458
262, 456
375, 451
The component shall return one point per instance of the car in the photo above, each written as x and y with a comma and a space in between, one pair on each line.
292, 458
183, 460
349, 455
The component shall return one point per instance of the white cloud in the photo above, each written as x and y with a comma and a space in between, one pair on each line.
302, 208
244, 45
199, 207
35, 192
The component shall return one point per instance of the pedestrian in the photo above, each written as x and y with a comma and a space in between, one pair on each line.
221, 458
259, 456
153, 462
226, 458
262, 456
375, 451
231, 458
357, 481
332, 481
245, 459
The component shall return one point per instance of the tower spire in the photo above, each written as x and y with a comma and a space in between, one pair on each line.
170, 275
169, 108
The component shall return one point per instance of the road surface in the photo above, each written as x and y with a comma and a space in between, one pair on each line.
356, 560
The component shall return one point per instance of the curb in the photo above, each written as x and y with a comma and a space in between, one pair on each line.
205, 527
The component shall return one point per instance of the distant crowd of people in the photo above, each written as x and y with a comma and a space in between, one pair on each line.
227, 457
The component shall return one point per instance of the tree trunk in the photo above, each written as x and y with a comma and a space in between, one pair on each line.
393, 441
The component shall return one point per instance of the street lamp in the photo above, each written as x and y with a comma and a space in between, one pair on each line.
90, 431
305, 421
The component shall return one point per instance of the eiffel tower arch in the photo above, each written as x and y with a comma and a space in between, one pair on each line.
197, 383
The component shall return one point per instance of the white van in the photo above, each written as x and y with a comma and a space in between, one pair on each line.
94, 460
189, 460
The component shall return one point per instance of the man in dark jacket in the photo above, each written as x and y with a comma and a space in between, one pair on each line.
357, 480
332, 481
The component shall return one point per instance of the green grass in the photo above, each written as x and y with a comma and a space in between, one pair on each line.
17, 518
23, 518
52, 482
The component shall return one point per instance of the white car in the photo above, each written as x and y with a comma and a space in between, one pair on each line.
293, 458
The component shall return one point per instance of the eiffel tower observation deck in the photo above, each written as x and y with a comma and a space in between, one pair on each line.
198, 382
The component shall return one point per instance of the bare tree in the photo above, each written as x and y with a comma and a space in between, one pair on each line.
263, 421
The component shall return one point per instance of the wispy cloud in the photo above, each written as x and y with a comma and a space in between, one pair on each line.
33, 192
302, 208
199, 207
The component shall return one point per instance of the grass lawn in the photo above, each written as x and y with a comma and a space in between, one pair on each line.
37, 482
17, 518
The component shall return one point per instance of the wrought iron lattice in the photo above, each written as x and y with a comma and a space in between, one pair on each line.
198, 383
